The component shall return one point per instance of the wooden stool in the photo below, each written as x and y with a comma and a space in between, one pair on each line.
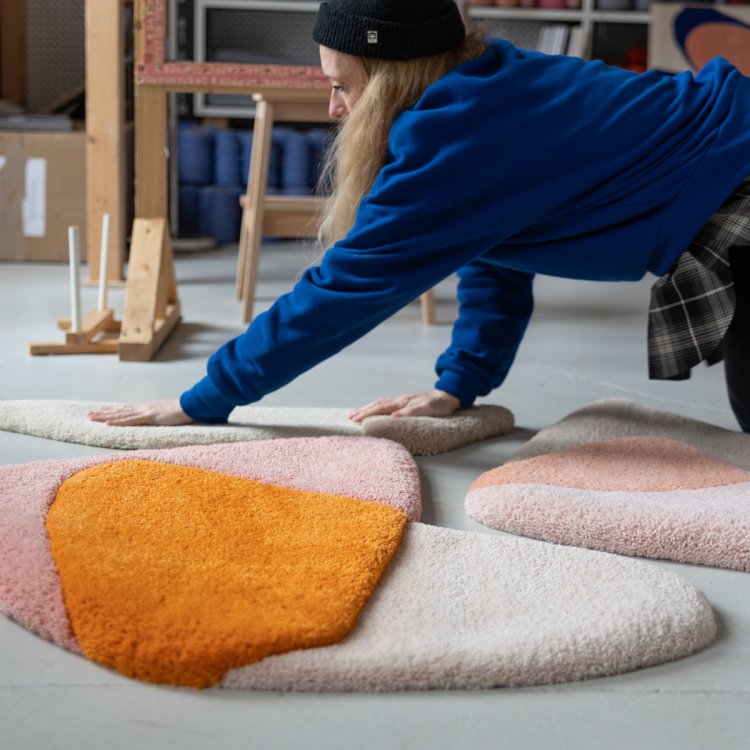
281, 216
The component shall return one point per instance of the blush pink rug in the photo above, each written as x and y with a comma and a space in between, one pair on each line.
453, 609
618, 477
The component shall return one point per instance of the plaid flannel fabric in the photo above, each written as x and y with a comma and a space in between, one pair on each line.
692, 306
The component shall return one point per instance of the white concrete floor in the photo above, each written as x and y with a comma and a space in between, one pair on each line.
586, 341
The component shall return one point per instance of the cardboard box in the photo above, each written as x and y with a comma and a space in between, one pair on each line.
42, 193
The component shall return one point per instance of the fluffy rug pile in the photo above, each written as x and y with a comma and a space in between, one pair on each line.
619, 477
288, 565
203, 572
421, 436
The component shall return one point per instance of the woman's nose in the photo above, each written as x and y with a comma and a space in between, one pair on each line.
336, 107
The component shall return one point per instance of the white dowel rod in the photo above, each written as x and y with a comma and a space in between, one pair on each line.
103, 263
74, 251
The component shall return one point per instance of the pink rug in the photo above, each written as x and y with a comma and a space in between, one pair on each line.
366, 468
106, 570
621, 478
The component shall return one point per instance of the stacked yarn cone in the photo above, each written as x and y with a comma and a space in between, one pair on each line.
213, 171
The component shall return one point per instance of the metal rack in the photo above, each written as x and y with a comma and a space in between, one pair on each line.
610, 32
250, 31
280, 29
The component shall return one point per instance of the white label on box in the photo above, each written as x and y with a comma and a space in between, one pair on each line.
34, 203
3, 161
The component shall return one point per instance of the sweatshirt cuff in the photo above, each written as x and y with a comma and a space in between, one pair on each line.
204, 403
453, 383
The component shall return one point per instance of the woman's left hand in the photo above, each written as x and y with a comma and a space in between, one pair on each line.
166, 412
434, 403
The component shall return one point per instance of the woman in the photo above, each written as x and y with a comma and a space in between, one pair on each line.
457, 155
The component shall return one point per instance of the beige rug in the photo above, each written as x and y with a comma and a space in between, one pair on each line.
421, 436
619, 477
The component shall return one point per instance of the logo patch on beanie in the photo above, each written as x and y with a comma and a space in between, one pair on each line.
372, 37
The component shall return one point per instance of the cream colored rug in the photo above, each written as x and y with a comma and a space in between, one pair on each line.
619, 477
291, 564
421, 436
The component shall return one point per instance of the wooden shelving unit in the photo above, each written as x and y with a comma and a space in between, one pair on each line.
587, 14
608, 30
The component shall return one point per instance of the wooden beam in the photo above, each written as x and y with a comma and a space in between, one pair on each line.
268, 215
233, 78
99, 334
97, 321
13, 51
151, 185
151, 179
252, 215
153, 68
289, 216
108, 346
105, 125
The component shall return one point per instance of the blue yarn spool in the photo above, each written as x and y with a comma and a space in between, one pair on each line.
245, 138
274, 162
188, 206
228, 159
278, 139
195, 160
296, 173
227, 214
320, 141
206, 210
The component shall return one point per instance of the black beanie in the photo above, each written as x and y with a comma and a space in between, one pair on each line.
389, 29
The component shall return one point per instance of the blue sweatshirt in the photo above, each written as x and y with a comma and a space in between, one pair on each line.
512, 164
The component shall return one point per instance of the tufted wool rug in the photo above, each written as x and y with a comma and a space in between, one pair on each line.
619, 477
422, 436
295, 564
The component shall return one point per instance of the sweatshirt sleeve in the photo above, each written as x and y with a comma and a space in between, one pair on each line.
425, 217
495, 305
398, 248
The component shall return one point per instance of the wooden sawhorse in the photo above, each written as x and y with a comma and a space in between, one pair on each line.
281, 216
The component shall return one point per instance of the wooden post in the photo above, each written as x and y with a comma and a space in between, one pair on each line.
151, 185
152, 308
252, 216
105, 125
428, 307
13, 51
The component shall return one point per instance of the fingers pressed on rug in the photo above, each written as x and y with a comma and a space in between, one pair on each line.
69, 421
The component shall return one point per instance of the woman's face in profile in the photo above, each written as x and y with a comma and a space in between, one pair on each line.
348, 80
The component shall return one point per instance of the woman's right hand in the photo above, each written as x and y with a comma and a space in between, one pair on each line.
166, 412
434, 403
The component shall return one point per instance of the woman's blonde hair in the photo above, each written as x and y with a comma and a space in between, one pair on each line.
360, 147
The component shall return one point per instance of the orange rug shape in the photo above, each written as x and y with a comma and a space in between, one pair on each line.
175, 574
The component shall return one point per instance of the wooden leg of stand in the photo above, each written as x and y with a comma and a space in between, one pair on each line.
109, 346
253, 214
105, 139
428, 307
152, 309
151, 312
97, 336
